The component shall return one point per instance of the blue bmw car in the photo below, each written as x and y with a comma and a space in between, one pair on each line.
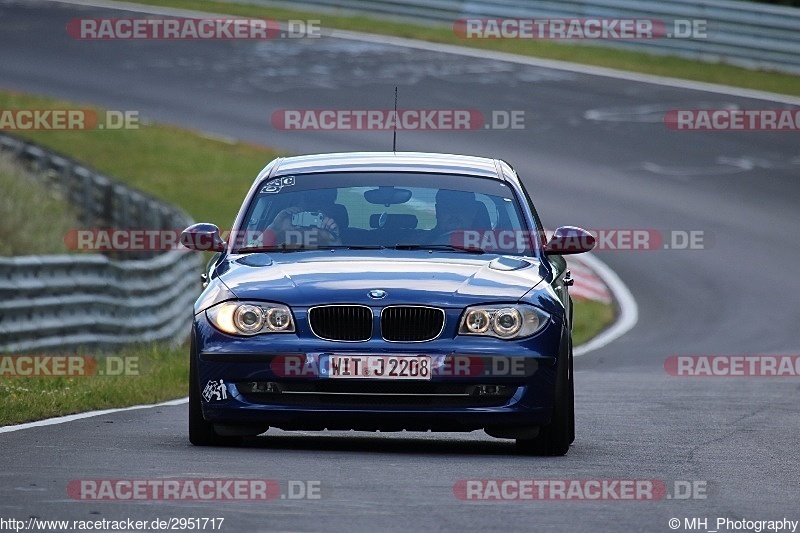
385, 291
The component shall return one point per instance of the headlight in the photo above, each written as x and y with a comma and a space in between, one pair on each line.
504, 322
279, 319
248, 318
239, 318
477, 321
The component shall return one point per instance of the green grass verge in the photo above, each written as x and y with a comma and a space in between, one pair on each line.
590, 318
669, 66
207, 178
33, 218
163, 374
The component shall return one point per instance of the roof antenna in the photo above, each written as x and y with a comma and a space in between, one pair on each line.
394, 123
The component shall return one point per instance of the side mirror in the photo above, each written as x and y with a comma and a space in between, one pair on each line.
203, 237
570, 240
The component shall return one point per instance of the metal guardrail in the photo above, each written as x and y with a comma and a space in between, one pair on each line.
93, 301
750, 35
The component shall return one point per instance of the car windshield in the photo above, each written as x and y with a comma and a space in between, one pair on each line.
385, 210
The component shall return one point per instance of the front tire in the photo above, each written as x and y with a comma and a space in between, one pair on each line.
201, 432
554, 439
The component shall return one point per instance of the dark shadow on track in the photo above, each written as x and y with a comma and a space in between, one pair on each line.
356, 442
370, 443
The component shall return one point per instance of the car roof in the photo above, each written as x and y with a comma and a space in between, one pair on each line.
388, 162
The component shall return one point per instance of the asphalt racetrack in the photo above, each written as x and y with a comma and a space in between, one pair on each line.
594, 152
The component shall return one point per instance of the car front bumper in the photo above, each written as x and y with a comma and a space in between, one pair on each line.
507, 384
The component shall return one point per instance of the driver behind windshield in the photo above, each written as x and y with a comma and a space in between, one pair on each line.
458, 211
310, 222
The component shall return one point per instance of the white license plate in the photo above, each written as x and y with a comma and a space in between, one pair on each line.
379, 366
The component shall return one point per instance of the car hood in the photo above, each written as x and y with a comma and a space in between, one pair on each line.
439, 278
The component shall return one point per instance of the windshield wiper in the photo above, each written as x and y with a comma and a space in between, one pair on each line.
283, 248
445, 247
254, 249
353, 247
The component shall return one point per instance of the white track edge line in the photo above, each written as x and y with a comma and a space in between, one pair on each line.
628, 309
88, 414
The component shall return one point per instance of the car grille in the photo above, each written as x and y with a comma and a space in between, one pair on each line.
341, 322
401, 323
411, 323
378, 394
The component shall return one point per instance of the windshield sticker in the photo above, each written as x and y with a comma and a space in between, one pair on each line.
275, 186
